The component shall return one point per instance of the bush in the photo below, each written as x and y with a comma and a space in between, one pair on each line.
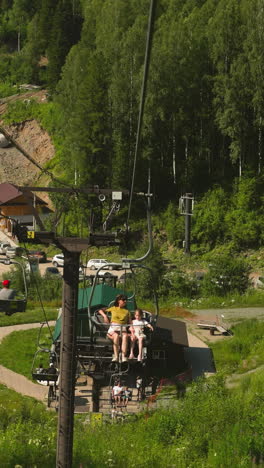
244, 219
6, 89
209, 216
48, 289
179, 284
226, 275
174, 224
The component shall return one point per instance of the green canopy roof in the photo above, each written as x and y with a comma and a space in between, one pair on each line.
102, 297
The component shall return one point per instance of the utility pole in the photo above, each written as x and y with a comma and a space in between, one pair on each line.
68, 354
186, 207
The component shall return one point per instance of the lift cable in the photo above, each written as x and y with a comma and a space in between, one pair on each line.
143, 95
38, 292
32, 160
33, 276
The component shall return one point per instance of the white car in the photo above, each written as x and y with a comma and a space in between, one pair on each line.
58, 260
3, 247
96, 263
13, 252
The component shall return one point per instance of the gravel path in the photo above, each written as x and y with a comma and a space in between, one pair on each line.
199, 356
18, 382
230, 315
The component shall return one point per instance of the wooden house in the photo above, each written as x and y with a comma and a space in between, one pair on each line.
16, 205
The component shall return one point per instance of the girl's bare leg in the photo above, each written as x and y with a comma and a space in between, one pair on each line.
132, 346
140, 347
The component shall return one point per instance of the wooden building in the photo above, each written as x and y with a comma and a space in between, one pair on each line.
18, 206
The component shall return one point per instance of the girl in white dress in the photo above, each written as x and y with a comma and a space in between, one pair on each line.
137, 333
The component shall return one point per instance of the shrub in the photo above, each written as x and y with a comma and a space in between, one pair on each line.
208, 217
48, 289
244, 219
174, 224
179, 284
226, 275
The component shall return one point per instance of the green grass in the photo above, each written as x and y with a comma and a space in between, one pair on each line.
253, 298
27, 432
17, 350
210, 426
243, 351
31, 315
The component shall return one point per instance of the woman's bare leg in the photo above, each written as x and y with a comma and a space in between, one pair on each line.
115, 339
124, 345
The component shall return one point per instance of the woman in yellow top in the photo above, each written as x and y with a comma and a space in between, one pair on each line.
119, 316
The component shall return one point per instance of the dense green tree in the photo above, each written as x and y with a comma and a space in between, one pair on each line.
65, 32
85, 125
244, 219
209, 217
203, 121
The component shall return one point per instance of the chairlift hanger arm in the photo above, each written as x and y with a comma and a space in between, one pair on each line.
91, 190
149, 224
154, 291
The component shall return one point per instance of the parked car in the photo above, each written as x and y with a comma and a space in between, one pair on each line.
32, 265
42, 256
58, 260
115, 266
96, 263
12, 252
4, 246
52, 272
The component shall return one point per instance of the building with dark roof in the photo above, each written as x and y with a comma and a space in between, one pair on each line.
16, 205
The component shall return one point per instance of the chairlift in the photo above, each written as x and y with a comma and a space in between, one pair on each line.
19, 302
45, 371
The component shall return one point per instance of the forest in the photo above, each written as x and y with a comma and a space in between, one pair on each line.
202, 134
203, 121
202, 130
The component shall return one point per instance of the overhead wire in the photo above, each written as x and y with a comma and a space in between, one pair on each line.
32, 160
37, 290
142, 97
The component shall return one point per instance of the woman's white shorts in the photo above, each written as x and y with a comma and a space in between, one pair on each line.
115, 327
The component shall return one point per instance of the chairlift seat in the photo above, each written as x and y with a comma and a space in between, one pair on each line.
44, 375
10, 306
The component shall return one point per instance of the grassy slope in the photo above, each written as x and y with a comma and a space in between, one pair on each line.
30, 316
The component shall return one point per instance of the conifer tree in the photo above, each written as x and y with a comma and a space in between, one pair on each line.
65, 32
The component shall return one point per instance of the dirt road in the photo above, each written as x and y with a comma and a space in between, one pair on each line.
226, 317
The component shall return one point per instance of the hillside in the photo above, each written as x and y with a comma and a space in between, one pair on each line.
14, 167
